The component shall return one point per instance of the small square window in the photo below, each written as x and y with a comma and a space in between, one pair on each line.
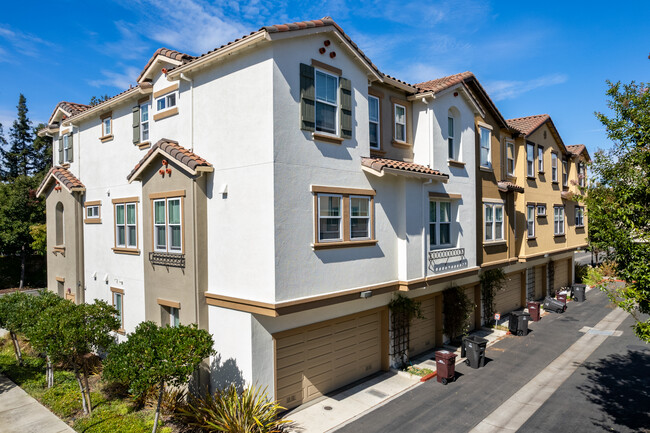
541, 210
92, 212
165, 102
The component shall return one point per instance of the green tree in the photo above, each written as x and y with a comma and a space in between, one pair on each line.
617, 200
42, 151
3, 144
18, 159
38, 233
13, 318
19, 210
154, 356
98, 99
71, 332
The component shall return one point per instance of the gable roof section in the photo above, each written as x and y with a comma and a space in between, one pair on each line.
529, 124
186, 159
173, 56
380, 166
440, 84
63, 177
68, 109
578, 149
506, 186
277, 29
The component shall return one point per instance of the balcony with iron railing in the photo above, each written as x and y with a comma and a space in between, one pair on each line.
445, 260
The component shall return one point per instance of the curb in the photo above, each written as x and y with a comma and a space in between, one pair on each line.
429, 376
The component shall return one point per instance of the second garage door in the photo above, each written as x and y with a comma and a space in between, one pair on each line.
422, 332
561, 271
509, 298
316, 359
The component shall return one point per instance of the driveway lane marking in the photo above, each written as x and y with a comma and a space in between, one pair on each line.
515, 411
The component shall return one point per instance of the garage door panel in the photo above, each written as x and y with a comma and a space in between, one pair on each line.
422, 335
334, 354
509, 298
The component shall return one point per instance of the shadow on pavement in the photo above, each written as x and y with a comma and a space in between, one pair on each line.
620, 386
5, 385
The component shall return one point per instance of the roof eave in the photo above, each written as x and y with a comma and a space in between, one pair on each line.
397, 172
99, 108
149, 71
400, 85
159, 151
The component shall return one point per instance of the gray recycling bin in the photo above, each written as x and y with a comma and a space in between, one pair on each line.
518, 323
551, 304
579, 292
474, 348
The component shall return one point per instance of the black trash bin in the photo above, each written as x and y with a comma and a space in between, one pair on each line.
474, 348
518, 324
551, 304
579, 292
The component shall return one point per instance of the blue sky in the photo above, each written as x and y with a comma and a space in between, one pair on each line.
533, 58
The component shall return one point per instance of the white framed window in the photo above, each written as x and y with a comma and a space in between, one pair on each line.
486, 157
582, 175
359, 217
530, 219
168, 225
530, 160
493, 221
174, 319
400, 122
451, 150
107, 126
565, 173
167, 101
540, 159
558, 220
439, 224
553, 167
144, 122
330, 215
117, 296
126, 228
373, 121
327, 102
541, 210
510, 157
580, 216
67, 148
92, 212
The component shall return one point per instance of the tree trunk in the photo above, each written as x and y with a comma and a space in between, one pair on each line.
49, 372
85, 371
81, 388
23, 257
17, 351
160, 396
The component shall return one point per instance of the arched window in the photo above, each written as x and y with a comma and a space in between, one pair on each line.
59, 224
453, 134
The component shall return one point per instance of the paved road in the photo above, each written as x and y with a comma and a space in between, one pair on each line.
610, 391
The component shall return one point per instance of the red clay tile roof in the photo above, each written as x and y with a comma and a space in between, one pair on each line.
63, 176
506, 186
378, 164
180, 154
440, 84
527, 125
131, 89
301, 25
71, 108
575, 149
170, 54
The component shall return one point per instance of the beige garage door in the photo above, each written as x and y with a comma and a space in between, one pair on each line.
561, 274
509, 298
539, 282
319, 358
422, 333
469, 292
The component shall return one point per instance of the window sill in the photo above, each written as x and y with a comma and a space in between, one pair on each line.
58, 249
560, 236
454, 163
494, 243
332, 139
121, 331
164, 114
377, 152
92, 221
65, 165
130, 251
531, 178
343, 244
401, 144
540, 172
144, 145
541, 216
580, 227
106, 138
531, 238
487, 169
554, 182
511, 177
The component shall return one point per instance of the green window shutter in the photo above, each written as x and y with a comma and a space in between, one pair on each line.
345, 88
307, 98
136, 124
70, 148
60, 150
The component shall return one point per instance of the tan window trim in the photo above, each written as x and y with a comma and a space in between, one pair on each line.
97, 220
126, 250
326, 67
121, 292
67, 165
126, 200
377, 152
376, 93
332, 139
92, 220
345, 217
167, 113
143, 100
144, 145
342, 190
105, 115
167, 303
453, 162
343, 244
58, 249
60, 279
130, 251
116, 290
106, 138
168, 194
445, 195
400, 144
165, 91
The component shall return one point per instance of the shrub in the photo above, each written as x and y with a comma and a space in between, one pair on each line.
608, 269
229, 411
593, 276
457, 308
580, 272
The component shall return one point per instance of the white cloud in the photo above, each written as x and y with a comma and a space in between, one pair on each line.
129, 46
121, 80
510, 89
419, 72
23, 43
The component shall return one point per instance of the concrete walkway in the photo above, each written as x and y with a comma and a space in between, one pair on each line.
20, 413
